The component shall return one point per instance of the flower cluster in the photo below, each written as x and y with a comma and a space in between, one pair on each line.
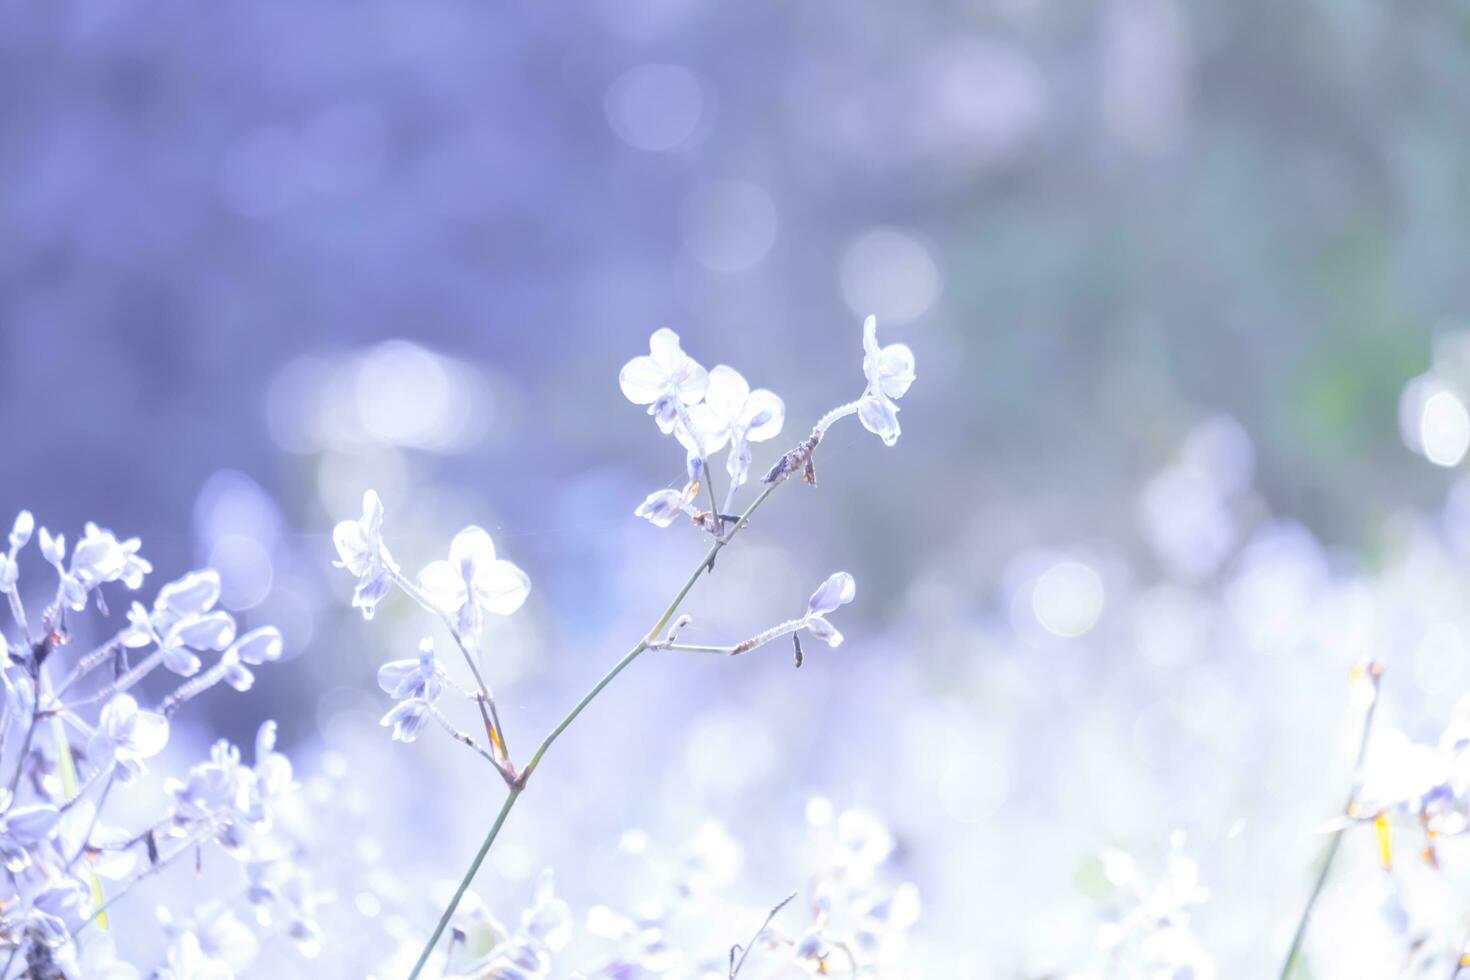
675, 916
709, 411
76, 741
706, 412
1146, 932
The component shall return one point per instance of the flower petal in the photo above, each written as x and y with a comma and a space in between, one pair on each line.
895, 369
471, 549
261, 645
149, 734
501, 587
667, 354
29, 825
191, 595
352, 546
691, 382
737, 463
838, 590
726, 394
443, 585
661, 507
880, 417
764, 415
117, 716
399, 678
870, 337
212, 631
642, 380
823, 630
407, 719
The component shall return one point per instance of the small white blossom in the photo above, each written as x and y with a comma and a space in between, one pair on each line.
890, 371
732, 413
20, 531
838, 590
53, 549
363, 553
421, 677
666, 379
127, 735
212, 945
473, 581
407, 718
182, 620
662, 507
23, 828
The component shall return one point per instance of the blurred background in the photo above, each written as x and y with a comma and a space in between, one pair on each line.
1183, 283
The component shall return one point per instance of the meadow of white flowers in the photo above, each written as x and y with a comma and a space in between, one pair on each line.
241, 860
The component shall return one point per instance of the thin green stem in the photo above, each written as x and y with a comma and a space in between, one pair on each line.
736, 965
1335, 842
464, 884
25, 746
571, 716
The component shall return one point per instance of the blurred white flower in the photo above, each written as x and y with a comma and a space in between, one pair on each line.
890, 371
360, 545
212, 945
127, 735
23, 828
473, 581
666, 379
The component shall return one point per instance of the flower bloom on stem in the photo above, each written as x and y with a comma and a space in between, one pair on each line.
662, 507
473, 581
837, 591
126, 735
666, 379
360, 545
183, 619
732, 413
415, 684
890, 372
23, 828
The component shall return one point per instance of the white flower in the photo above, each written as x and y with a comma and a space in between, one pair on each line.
273, 772
890, 371
259, 646
732, 413
838, 590
420, 677
127, 735
181, 621
665, 379
473, 581
100, 557
661, 507
212, 945
407, 718
23, 828
360, 545
20, 531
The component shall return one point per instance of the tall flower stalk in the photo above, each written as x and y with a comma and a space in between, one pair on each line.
706, 411
1371, 676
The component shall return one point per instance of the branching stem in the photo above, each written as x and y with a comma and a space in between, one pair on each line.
518, 786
